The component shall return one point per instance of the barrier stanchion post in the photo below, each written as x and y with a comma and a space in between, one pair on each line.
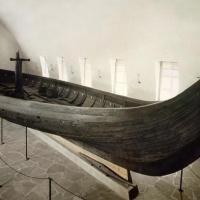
27, 158
181, 182
2, 131
50, 180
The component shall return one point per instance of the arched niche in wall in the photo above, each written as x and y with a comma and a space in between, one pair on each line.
8, 48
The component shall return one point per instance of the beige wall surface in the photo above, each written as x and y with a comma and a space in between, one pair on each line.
8, 48
141, 32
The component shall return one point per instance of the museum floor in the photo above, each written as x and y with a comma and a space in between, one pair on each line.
47, 162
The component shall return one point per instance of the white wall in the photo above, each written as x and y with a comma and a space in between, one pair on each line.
142, 32
8, 48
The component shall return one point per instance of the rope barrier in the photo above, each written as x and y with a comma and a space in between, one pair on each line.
18, 172
68, 190
5, 183
39, 178
32, 177
194, 173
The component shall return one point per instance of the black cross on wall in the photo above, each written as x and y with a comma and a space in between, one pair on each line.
18, 73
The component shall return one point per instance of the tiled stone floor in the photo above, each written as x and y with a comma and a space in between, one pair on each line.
166, 187
46, 162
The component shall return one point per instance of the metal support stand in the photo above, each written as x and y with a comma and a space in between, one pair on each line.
133, 192
27, 158
2, 131
129, 176
181, 182
50, 188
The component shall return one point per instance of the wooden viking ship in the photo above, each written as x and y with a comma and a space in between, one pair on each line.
152, 138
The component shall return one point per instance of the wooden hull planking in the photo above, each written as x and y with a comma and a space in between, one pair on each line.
152, 138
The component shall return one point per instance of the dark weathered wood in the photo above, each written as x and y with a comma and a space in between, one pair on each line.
150, 138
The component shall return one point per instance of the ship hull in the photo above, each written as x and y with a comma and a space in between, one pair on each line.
152, 138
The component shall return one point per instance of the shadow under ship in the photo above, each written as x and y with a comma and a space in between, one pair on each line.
152, 138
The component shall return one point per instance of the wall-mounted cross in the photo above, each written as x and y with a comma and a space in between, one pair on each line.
18, 73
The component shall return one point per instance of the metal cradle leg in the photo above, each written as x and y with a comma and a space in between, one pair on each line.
2, 142
133, 193
27, 158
